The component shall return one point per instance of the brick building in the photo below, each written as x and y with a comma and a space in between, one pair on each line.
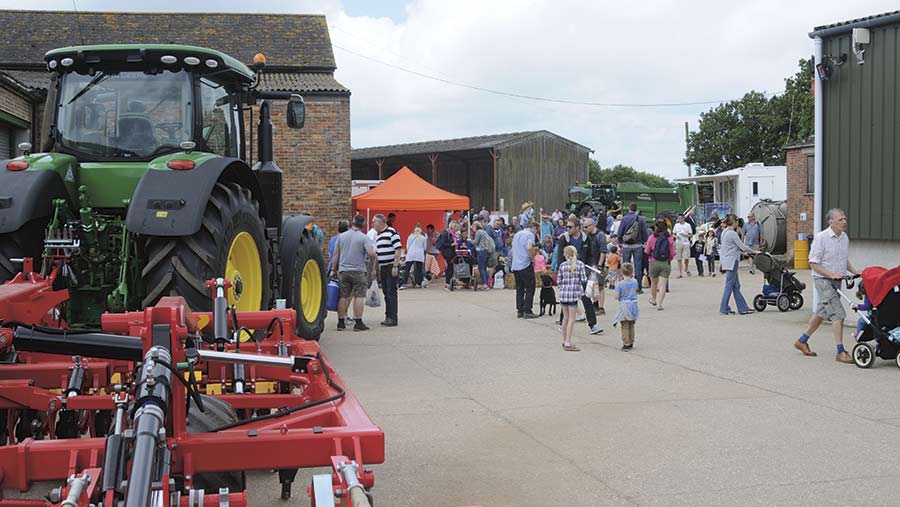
315, 160
800, 192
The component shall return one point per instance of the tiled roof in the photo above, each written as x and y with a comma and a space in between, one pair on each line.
321, 82
446, 145
301, 82
287, 40
874, 19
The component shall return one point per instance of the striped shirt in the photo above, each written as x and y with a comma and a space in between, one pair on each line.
571, 283
386, 243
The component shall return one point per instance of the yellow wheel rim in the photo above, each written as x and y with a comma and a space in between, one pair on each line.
244, 269
311, 291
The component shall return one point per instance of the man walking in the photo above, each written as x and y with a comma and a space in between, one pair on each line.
349, 264
828, 258
753, 236
682, 232
387, 250
524, 248
597, 259
632, 234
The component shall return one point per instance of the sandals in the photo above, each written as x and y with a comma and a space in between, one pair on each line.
652, 302
571, 348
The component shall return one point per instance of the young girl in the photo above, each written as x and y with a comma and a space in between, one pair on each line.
626, 294
710, 249
613, 264
866, 306
571, 280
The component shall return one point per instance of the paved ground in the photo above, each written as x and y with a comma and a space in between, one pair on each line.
479, 407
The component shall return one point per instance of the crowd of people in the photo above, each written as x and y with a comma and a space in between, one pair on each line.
583, 257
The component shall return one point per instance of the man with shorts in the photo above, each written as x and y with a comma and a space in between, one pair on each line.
682, 232
828, 258
349, 264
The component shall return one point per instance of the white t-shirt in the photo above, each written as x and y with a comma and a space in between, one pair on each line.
682, 233
415, 248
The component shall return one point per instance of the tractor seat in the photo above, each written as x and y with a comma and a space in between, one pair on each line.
136, 133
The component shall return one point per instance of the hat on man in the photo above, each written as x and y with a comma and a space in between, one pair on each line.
527, 204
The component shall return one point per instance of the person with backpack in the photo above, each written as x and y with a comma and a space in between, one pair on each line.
632, 234
661, 249
484, 247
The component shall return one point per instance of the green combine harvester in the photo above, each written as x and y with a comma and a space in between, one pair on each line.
143, 188
651, 202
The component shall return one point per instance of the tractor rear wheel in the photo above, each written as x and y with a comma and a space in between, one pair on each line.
28, 241
231, 244
307, 294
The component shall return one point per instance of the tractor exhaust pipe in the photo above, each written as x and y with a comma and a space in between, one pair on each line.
267, 171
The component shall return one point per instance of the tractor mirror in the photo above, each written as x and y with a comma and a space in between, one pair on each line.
296, 113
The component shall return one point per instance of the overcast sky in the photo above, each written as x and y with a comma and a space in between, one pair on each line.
647, 52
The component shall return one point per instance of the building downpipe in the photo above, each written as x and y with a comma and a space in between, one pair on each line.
818, 100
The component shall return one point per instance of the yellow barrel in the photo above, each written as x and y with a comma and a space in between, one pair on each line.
801, 254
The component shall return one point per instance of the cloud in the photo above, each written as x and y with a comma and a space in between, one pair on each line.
640, 52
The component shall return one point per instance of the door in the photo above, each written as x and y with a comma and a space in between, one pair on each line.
6, 147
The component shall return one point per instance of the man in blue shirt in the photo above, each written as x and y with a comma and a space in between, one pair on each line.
343, 226
632, 233
524, 248
546, 227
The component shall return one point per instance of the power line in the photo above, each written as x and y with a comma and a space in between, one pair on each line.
528, 97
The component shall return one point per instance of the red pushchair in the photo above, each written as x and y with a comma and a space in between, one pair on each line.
880, 336
463, 269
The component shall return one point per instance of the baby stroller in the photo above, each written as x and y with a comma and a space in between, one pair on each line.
462, 267
781, 288
881, 335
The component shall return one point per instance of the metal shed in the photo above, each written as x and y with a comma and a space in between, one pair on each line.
492, 170
859, 136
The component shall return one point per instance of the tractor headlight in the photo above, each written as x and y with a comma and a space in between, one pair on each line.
168, 59
191, 60
212, 64
67, 62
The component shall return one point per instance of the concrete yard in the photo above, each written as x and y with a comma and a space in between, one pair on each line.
481, 408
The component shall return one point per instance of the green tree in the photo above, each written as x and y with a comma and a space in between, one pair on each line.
622, 174
754, 128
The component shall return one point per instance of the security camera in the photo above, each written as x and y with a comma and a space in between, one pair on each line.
860, 39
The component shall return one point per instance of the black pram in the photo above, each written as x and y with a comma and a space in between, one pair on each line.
881, 334
782, 288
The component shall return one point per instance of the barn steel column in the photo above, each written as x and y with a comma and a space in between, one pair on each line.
495, 157
380, 163
433, 158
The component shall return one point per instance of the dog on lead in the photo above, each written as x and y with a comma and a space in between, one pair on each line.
548, 296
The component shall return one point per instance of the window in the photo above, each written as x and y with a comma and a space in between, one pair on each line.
755, 188
810, 174
125, 114
220, 119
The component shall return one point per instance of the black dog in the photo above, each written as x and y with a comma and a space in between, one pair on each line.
548, 295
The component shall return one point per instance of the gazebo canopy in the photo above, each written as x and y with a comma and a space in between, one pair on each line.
405, 191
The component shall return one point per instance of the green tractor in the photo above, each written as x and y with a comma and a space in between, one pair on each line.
143, 189
651, 202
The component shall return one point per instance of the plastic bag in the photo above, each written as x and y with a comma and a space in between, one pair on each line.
373, 296
498, 280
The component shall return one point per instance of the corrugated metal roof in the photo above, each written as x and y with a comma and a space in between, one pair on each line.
298, 41
446, 145
32, 80
873, 19
302, 82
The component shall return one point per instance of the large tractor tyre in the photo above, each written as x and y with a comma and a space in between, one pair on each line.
28, 241
670, 217
231, 243
217, 413
308, 283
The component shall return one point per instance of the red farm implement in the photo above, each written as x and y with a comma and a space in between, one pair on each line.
168, 407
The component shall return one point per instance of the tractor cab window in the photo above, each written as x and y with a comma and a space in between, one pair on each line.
578, 194
124, 114
220, 119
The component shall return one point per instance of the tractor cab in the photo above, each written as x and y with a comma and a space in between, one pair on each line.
138, 102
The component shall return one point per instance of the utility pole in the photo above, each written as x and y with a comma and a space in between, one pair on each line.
686, 146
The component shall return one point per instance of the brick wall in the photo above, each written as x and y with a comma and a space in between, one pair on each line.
315, 160
14, 104
798, 201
